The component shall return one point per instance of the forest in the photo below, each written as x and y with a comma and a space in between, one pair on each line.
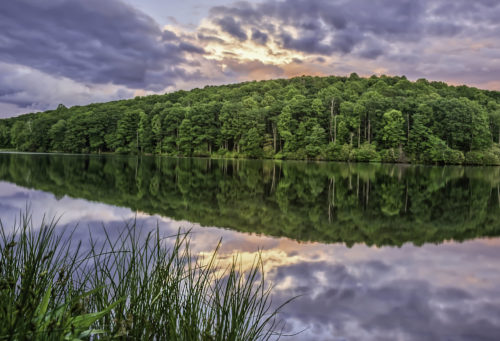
373, 204
379, 119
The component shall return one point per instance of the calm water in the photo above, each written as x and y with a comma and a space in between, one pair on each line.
377, 252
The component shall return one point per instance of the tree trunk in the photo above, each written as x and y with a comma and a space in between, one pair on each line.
274, 137
366, 130
331, 204
406, 199
274, 177
408, 130
368, 194
136, 166
335, 130
359, 134
137, 133
357, 187
333, 193
331, 119
369, 131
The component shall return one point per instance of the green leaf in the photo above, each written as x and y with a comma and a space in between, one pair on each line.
42, 308
85, 321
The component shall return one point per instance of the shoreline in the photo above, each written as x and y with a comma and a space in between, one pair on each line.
218, 157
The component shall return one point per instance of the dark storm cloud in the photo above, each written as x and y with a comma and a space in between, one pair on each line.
92, 41
337, 26
325, 27
308, 42
259, 36
229, 25
169, 36
20, 102
209, 38
6, 90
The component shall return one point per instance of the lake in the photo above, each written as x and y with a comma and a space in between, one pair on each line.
373, 251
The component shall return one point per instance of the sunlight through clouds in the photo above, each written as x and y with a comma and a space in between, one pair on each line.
139, 48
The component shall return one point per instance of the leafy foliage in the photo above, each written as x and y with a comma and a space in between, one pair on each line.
298, 118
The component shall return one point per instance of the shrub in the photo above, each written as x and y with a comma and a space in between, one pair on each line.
453, 157
488, 157
300, 154
389, 155
367, 152
337, 152
268, 152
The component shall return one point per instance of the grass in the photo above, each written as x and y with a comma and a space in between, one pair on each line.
128, 287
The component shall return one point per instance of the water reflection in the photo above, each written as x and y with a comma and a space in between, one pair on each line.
445, 291
324, 202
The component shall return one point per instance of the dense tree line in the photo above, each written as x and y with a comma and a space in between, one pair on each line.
375, 204
332, 118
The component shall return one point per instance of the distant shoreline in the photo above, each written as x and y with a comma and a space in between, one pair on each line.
216, 157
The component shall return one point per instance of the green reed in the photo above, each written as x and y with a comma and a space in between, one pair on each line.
130, 287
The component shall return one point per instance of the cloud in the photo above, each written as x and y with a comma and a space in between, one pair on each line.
23, 89
96, 42
325, 27
402, 37
253, 69
229, 25
372, 300
259, 37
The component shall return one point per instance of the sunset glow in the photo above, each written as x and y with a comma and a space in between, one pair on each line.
144, 47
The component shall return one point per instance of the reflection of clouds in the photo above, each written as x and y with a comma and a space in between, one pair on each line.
360, 303
409, 293
435, 292
15, 199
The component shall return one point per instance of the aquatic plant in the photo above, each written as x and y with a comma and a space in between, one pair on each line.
137, 285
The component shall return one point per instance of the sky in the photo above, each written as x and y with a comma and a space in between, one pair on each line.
77, 52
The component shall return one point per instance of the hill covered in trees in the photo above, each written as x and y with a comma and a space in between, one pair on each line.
383, 118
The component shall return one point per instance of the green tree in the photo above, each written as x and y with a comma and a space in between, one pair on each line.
56, 134
145, 133
19, 134
171, 123
420, 134
393, 132
315, 141
251, 143
286, 128
4, 136
127, 132
186, 138
157, 133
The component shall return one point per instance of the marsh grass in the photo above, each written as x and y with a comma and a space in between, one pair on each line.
132, 286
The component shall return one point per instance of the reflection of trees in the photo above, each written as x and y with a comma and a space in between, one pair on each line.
390, 199
327, 202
